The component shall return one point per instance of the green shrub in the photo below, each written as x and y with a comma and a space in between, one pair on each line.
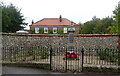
37, 52
34, 52
17, 51
41, 31
30, 53
44, 54
32, 31
50, 31
108, 54
60, 31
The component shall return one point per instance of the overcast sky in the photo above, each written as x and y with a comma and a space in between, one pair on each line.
75, 10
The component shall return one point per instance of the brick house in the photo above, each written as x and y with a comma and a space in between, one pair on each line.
54, 24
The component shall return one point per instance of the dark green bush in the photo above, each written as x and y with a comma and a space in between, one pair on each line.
30, 53
32, 31
37, 52
50, 31
44, 54
60, 31
41, 31
108, 54
34, 52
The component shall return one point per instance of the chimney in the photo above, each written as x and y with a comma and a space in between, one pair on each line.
60, 18
32, 21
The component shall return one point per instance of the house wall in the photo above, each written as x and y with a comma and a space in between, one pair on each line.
58, 27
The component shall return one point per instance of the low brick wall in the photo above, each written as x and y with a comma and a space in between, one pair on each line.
80, 40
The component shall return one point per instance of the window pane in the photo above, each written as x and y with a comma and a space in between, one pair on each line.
36, 30
45, 30
54, 30
65, 30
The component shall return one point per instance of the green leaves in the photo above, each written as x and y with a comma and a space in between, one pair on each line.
108, 54
96, 26
103, 26
12, 18
114, 29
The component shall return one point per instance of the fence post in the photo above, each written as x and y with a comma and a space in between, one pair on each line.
51, 58
82, 51
66, 61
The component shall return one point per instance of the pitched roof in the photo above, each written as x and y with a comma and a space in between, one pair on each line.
54, 21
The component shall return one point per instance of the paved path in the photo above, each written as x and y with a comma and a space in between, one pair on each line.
25, 70
6, 70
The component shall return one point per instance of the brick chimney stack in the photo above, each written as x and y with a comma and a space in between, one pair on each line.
60, 18
32, 21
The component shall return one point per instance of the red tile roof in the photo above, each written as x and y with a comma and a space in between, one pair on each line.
53, 21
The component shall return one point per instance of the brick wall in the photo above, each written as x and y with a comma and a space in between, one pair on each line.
58, 27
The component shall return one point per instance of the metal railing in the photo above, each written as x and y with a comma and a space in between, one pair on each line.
18, 54
107, 58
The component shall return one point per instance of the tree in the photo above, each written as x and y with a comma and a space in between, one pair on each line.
115, 25
96, 26
102, 25
87, 27
12, 18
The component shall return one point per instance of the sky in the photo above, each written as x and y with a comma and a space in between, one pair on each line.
74, 10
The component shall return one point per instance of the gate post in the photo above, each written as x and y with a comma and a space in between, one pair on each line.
66, 61
51, 58
82, 51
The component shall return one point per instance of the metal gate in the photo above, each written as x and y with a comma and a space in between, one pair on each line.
58, 62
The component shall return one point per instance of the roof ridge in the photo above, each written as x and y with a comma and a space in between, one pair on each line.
54, 18
53, 21
39, 21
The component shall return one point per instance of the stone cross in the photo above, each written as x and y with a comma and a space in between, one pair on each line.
71, 31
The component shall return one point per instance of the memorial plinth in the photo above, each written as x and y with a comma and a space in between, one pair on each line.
71, 54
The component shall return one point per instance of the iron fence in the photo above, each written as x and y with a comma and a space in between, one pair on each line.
100, 58
32, 54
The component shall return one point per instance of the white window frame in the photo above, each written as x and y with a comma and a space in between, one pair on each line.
65, 30
45, 30
74, 28
36, 30
55, 30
